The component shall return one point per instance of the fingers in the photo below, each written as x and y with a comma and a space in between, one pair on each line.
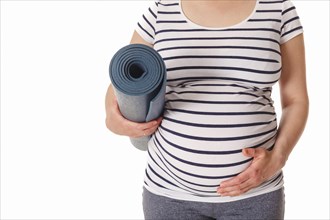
237, 189
118, 124
248, 152
143, 129
234, 185
254, 152
249, 178
146, 125
240, 184
242, 177
150, 131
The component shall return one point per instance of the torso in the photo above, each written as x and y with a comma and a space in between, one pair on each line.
218, 99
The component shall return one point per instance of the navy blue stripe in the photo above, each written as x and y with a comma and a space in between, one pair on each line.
220, 47
161, 167
221, 113
220, 78
218, 125
153, 14
267, 11
274, 180
169, 21
223, 68
217, 138
288, 21
221, 84
279, 181
267, 89
169, 12
219, 93
167, 169
200, 151
145, 31
159, 176
221, 57
210, 30
154, 181
261, 20
287, 10
270, 147
188, 149
180, 183
218, 38
270, 2
148, 23
216, 102
170, 4
288, 32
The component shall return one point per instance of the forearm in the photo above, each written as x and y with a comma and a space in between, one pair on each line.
110, 98
116, 123
292, 124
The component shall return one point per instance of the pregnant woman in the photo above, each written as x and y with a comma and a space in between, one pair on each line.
218, 150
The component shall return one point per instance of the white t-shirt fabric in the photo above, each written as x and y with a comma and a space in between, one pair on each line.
218, 97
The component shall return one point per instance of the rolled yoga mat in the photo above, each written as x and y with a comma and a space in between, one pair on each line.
138, 74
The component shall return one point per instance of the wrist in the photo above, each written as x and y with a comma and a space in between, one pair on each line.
279, 155
279, 159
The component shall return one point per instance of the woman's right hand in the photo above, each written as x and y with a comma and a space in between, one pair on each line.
116, 122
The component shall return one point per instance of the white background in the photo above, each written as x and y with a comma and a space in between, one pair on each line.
58, 160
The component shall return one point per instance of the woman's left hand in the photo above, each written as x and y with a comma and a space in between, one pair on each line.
264, 165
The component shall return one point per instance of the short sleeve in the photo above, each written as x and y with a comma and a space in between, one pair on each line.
290, 24
146, 25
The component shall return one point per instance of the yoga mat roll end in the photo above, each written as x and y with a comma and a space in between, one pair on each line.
140, 143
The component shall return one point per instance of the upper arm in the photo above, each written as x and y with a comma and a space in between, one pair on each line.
145, 29
293, 86
137, 39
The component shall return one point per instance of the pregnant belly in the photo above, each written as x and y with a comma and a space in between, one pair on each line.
205, 128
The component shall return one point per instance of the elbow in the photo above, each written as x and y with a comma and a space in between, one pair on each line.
299, 99
111, 126
305, 104
108, 124
299, 105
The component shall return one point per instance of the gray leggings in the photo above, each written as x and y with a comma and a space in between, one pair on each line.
267, 206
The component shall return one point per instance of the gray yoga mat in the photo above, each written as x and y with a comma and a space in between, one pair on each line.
138, 75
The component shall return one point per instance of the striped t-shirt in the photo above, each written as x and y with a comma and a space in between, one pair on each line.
218, 97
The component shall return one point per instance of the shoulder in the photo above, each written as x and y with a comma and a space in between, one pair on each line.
278, 4
287, 5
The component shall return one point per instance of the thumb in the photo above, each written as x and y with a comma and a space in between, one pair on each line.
249, 152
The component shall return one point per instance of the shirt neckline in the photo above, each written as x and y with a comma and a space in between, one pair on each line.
218, 28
